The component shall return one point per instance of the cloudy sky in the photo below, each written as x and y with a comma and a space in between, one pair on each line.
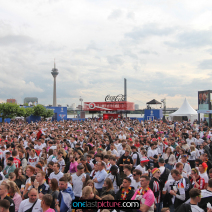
163, 48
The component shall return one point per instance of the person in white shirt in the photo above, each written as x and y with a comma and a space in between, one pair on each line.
77, 180
203, 173
28, 203
198, 141
57, 174
179, 167
33, 158
60, 160
190, 139
122, 136
186, 165
113, 151
142, 165
135, 183
152, 153
39, 146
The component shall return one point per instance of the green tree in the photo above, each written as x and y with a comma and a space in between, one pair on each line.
8, 110
21, 112
48, 113
28, 112
39, 110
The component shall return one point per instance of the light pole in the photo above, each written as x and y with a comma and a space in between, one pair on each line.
81, 102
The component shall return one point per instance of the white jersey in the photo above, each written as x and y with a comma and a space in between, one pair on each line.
33, 161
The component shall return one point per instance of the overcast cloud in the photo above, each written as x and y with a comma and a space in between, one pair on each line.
163, 48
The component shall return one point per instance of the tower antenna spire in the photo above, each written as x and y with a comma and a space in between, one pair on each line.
54, 63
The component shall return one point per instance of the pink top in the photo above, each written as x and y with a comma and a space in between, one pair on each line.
148, 196
17, 200
50, 210
73, 167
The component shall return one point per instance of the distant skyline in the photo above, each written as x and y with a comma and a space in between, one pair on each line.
163, 49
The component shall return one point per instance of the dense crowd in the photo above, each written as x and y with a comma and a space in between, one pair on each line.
46, 165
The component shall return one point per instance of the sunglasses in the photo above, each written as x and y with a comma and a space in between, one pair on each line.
134, 174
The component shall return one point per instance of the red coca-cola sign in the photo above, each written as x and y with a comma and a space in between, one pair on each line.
108, 106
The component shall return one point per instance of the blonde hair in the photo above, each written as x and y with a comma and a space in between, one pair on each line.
93, 188
14, 187
64, 152
87, 190
68, 177
192, 147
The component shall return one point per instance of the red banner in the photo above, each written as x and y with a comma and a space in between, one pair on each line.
108, 106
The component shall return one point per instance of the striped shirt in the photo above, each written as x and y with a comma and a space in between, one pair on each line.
155, 187
200, 181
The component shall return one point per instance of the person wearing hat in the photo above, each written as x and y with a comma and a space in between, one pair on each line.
9, 168
143, 165
155, 186
203, 173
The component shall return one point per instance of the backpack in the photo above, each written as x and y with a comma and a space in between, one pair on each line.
138, 158
183, 208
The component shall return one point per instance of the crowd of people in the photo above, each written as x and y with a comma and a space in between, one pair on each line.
46, 165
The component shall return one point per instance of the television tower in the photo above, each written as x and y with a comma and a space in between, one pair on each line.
54, 74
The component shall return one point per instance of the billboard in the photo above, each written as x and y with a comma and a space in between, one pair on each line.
203, 100
108, 106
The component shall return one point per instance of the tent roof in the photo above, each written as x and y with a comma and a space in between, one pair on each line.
153, 102
184, 110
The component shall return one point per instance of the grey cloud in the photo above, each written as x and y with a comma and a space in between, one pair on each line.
15, 39
205, 64
115, 14
192, 39
148, 30
171, 85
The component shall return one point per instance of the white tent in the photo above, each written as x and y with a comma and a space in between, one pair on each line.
185, 110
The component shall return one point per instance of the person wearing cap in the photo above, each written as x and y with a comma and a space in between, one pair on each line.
9, 168
143, 165
164, 172
155, 186
203, 172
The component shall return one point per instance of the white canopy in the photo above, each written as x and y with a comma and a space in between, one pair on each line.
185, 110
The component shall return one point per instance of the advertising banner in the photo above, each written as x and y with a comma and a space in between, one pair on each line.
203, 100
108, 106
